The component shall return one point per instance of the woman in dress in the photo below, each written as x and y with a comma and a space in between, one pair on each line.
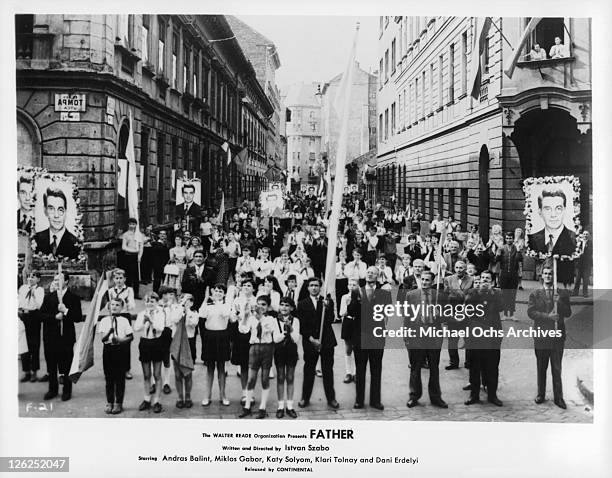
195, 244
178, 257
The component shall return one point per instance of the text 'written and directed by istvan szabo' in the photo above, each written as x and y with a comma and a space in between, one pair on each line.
281, 452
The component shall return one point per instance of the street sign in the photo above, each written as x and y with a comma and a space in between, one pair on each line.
70, 102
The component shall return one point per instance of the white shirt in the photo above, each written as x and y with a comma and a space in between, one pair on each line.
173, 313
269, 334
30, 303
216, 316
294, 335
245, 264
122, 328
125, 293
156, 324
356, 270
263, 268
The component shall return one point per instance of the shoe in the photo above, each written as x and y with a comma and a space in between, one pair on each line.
49, 395
261, 414
426, 365
496, 401
188, 403
117, 409
412, 403
451, 367
33, 378
205, 402
439, 403
180, 404
66, 395
44, 378
128, 375
145, 405
245, 413
303, 403
26, 377
333, 404
377, 406
292, 413
561, 403
467, 387
225, 402
167, 389
348, 378
157, 408
318, 373
152, 389
539, 399
108, 409
358, 406
472, 401
280, 413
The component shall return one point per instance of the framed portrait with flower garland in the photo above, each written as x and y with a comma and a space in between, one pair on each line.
552, 212
56, 232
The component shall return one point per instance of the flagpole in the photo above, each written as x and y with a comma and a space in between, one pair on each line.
342, 104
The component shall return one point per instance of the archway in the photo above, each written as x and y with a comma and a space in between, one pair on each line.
484, 217
550, 144
28, 141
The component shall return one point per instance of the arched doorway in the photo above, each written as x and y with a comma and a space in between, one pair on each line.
550, 144
28, 141
484, 217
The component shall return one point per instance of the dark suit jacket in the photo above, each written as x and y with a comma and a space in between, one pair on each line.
492, 305
414, 253
193, 211
27, 223
67, 247
364, 330
310, 322
160, 254
420, 342
565, 245
538, 308
194, 285
51, 326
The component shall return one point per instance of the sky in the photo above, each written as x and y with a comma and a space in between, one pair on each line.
316, 48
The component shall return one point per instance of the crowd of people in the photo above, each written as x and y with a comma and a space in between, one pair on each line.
251, 289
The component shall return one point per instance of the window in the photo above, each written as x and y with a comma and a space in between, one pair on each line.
145, 38
440, 81
393, 60
186, 69
386, 65
213, 93
161, 47
380, 29
186, 162
416, 99
175, 50
380, 128
411, 104
196, 73
451, 74
386, 124
423, 95
161, 175
392, 119
144, 162
545, 33
205, 73
431, 88
464, 63
380, 73
174, 158
24, 26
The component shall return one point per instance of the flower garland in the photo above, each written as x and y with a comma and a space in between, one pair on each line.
49, 260
528, 183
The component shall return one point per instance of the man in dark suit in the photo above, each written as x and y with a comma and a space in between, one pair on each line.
422, 348
456, 287
484, 351
318, 253
583, 266
160, 255
554, 238
541, 309
366, 345
60, 310
56, 239
509, 261
194, 282
277, 234
25, 213
189, 207
309, 313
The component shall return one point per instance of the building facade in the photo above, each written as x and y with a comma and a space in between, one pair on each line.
445, 151
188, 87
304, 133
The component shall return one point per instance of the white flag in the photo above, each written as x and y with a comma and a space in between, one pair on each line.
132, 180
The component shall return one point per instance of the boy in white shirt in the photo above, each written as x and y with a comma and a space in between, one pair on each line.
263, 266
245, 263
30, 297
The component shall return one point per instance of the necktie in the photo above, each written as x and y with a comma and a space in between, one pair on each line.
291, 294
30, 294
426, 318
115, 325
549, 246
259, 331
54, 244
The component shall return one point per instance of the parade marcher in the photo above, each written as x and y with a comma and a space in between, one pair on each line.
309, 312
30, 298
548, 314
183, 376
341, 278
456, 287
233, 251
245, 263
509, 260
126, 294
160, 255
286, 357
117, 334
151, 322
264, 332
145, 263
132, 248
177, 263
422, 348
484, 350
356, 269
350, 300
173, 312
60, 310
583, 266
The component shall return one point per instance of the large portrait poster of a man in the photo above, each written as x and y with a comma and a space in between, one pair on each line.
552, 211
57, 230
188, 199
